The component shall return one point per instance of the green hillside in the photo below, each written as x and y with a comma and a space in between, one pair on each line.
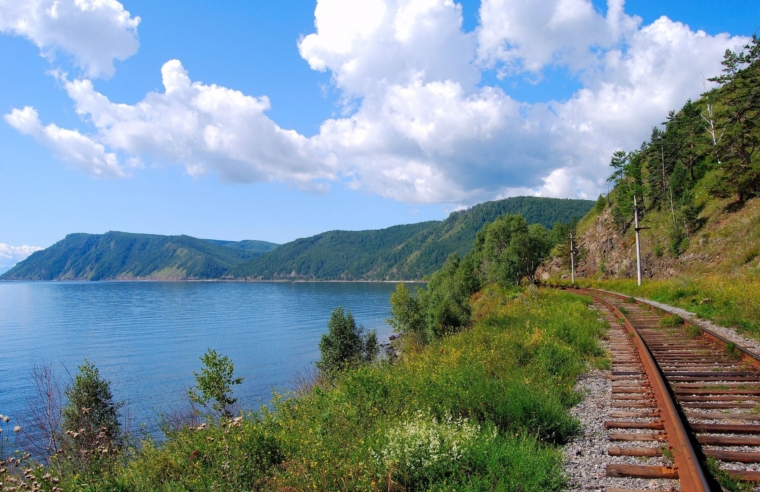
121, 255
246, 245
697, 184
402, 252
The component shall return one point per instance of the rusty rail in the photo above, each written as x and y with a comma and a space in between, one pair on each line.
690, 472
747, 356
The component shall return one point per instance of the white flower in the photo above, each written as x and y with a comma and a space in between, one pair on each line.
424, 442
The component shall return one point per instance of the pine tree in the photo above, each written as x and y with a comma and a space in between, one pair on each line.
739, 119
90, 416
345, 344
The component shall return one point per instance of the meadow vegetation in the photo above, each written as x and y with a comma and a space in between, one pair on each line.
728, 301
484, 409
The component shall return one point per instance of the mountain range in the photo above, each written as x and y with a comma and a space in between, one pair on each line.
403, 252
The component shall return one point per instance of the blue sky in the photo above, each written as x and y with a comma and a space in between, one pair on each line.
391, 111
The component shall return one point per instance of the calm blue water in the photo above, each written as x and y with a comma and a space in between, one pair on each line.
146, 337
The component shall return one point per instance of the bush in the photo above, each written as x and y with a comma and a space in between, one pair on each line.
345, 345
658, 250
214, 383
424, 449
671, 320
90, 404
601, 204
90, 421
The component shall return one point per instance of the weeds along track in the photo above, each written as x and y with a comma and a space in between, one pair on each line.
680, 391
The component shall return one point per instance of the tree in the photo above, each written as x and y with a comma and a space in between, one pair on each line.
407, 314
618, 162
601, 204
447, 299
214, 383
693, 126
508, 250
90, 416
345, 344
739, 119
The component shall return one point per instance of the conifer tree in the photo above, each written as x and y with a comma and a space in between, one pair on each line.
739, 120
345, 344
90, 417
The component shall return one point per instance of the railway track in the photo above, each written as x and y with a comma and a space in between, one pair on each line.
681, 392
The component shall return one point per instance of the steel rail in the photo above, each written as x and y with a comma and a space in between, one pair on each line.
747, 356
687, 464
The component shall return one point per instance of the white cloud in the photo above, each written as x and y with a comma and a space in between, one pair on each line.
418, 124
68, 145
376, 43
94, 32
10, 255
424, 132
204, 128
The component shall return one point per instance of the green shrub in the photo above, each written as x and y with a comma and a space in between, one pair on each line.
658, 252
214, 383
425, 449
92, 432
671, 320
601, 204
345, 344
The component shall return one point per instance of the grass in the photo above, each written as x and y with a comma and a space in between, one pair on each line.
728, 301
485, 409
671, 320
693, 331
725, 480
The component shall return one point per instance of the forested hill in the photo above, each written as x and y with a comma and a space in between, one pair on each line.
406, 252
121, 255
697, 186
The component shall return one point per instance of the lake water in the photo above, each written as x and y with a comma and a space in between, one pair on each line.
146, 337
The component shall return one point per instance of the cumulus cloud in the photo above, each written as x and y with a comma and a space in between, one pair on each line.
418, 124
426, 131
94, 32
10, 255
68, 145
204, 128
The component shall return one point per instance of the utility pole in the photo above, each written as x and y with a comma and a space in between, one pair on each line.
572, 259
638, 244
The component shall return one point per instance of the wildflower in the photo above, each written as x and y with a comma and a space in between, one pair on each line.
17, 428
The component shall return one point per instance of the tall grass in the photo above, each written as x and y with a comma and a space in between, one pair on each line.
482, 410
729, 301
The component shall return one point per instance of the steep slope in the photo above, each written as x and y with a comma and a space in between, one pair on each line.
697, 186
726, 244
120, 255
405, 252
